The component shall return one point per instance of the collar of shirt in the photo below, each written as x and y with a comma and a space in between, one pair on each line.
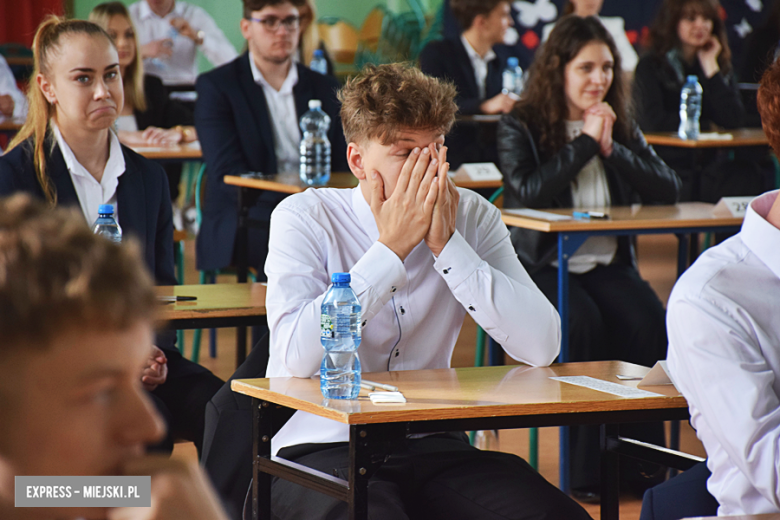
364, 214
145, 12
761, 237
290, 81
115, 166
474, 55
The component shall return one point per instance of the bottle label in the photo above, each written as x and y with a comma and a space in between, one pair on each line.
326, 326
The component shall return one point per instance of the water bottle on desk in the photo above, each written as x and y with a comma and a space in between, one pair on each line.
340, 332
106, 225
315, 146
318, 62
690, 109
512, 77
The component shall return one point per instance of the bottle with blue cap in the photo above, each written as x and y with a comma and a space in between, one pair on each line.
340, 333
106, 225
690, 109
512, 77
318, 62
315, 146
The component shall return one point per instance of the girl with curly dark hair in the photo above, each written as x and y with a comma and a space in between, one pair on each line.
688, 37
571, 143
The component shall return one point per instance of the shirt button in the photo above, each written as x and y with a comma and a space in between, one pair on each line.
447, 271
393, 289
403, 311
471, 308
363, 324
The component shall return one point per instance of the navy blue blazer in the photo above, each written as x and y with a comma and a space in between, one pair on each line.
144, 212
236, 135
448, 59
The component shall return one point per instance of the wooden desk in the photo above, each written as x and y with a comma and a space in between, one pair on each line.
289, 182
10, 126
742, 137
218, 305
176, 153
454, 399
689, 218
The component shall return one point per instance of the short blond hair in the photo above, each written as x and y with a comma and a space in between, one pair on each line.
57, 276
385, 99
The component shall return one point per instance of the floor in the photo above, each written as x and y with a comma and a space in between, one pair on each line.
657, 264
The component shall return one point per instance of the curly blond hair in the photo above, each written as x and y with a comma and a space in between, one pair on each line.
384, 100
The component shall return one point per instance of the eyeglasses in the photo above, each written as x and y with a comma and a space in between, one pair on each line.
272, 23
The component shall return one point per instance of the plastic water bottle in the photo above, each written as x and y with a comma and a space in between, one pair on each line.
512, 77
315, 147
161, 64
340, 333
106, 225
318, 62
690, 109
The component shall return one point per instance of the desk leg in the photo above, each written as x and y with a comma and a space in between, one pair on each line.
610, 474
261, 447
567, 245
359, 470
242, 264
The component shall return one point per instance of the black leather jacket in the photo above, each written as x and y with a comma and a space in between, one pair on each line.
635, 174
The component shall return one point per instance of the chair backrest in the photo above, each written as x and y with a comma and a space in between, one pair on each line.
340, 38
371, 30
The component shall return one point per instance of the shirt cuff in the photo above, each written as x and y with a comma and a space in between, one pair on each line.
457, 261
379, 271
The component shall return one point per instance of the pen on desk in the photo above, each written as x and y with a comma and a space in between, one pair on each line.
370, 385
172, 299
589, 214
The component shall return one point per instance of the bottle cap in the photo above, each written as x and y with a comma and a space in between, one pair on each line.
512, 61
692, 78
318, 53
315, 103
105, 209
340, 278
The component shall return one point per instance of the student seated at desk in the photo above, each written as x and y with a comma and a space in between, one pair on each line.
247, 115
475, 69
76, 320
67, 155
688, 37
149, 117
571, 144
723, 346
421, 253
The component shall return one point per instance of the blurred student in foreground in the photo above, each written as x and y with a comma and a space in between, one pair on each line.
76, 318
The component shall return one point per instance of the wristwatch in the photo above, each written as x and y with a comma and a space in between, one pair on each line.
199, 37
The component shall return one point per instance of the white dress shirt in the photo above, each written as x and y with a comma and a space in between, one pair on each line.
90, 192
413, 310
479, 64
616, 27
284, 119
724, 356
8, 87
181, 68
590, 190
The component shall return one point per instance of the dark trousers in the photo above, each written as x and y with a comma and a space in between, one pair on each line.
182, 403
613, 315
436, 477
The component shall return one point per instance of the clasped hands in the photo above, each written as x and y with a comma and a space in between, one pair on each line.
599, 121
423, 205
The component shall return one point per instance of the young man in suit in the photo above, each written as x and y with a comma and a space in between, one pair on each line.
247, 118
471, 63
76, 322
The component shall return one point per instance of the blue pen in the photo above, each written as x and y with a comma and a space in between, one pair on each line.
580, 214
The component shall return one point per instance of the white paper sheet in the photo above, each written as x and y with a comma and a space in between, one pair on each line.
606, 387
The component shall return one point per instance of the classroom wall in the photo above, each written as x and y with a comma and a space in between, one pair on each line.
227, 13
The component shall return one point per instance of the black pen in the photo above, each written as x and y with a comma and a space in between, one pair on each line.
172, 299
